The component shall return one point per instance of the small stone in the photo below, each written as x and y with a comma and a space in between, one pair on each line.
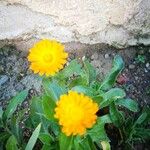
94, 56
69, 59
136, 78
131, 66
1, 69
21, 74
141, 52
106, 56
67, 63
31, 91
122, 79
147, 65
145, 71
83, 58
3, 79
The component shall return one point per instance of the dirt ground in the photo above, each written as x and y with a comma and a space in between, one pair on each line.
135, 78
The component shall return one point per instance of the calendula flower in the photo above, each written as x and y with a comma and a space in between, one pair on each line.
47, 57
75, 112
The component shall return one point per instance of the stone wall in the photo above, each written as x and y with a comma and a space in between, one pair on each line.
120, 23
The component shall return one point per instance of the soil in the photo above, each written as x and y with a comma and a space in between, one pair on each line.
135, 78
15, 75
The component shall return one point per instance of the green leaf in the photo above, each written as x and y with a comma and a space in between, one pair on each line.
105, 119
97, 133
73, 68
77, 81
147, 111
11, 143
105, 145
45, 138
48, 107
91, 143
110, 79
55, 128
46, 147
65, 142
33, 138
128, 103
111, 96
4, 136
18, 99
77, 143
1, 112
142, 133
15, 126
90, 72
52, 89
87, 144
37, 115
1, 119
36, 105
141, 118
114, 93
83, 89
116, 116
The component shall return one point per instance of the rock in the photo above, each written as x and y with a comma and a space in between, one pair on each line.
145, 70
131, 66
84, 21
94, 56
122, 79
106, 56
147, 65
141, 51
1, 69
83, 58
3, 79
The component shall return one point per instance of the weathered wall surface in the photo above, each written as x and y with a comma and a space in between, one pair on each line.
119, 23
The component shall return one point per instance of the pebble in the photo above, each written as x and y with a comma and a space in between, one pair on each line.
147, 65
1, 69
94, 56
83, 58
3, 79
145, 71
141, 52
131, 66
106, 56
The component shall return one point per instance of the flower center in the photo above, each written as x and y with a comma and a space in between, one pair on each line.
48, 58
76, 114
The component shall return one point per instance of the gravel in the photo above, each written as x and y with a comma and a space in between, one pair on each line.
3, 79
131, 66
15, 75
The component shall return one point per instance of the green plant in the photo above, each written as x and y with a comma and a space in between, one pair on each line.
136, 129
47, 131
83, 79
148, 90
140, 59
11, 133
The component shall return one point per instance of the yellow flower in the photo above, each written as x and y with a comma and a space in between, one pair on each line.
47, 57
75, 112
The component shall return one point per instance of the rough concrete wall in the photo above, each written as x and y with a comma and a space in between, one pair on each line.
119, 23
